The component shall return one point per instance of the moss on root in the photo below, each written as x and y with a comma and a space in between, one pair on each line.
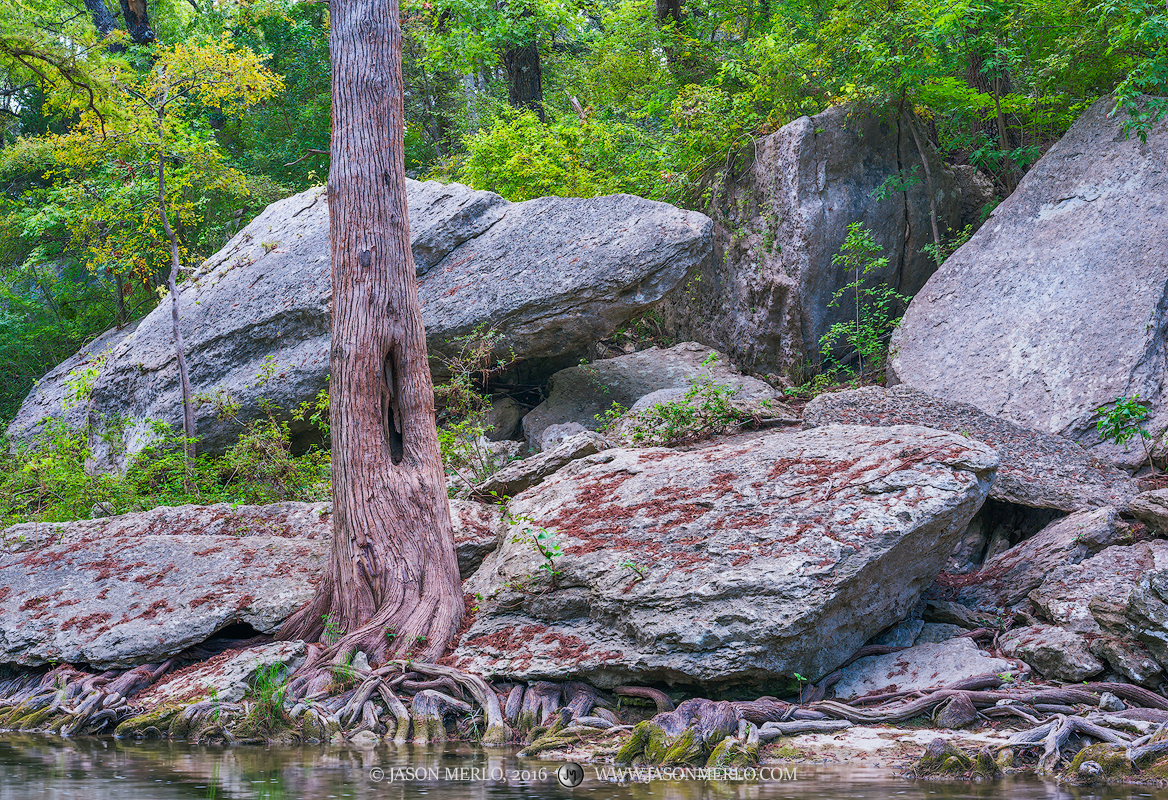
34, 720
732, 752
650, 744
526, 721
135, 727
985, 768
635, 746
495, 735
1112, 760
942, 760
312, 729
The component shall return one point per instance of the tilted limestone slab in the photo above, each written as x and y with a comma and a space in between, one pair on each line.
1039, 470
139, 588
763, 556
1059, 303
925, 666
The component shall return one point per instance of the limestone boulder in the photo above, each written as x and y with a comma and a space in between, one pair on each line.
1151, 508
577, 395
1094, 596
781, 213
925, 666
519, 475
139, 588
1038, 470
1008, 578
550, 276
1057, 305
1129, 658
762, 556
1056, 653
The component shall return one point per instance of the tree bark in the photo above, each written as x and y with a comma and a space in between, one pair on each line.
103, 20
525, 78
391, 584
668, 10
137, 19
912, 128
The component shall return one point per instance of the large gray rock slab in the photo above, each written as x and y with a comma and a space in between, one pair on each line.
1039, 470
139, 588
147, 586
1007, 579
925, 666
576, 395
1059, 304
781, 213
757, 558
551, 276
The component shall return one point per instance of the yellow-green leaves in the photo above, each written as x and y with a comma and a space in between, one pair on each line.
215, 72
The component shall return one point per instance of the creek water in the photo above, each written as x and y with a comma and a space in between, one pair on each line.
106, 769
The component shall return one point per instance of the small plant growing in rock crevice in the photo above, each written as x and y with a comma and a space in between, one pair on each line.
543, 542
706, 408
269, 688
1120, 423
639, 572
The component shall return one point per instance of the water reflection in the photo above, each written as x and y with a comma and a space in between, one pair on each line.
104, 769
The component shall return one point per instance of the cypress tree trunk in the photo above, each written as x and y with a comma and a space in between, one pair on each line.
391, 586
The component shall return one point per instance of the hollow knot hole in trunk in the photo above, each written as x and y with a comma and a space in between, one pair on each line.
391, 417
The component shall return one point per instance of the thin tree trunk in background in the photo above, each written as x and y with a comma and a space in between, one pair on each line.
391, 585
525, 78
123, 318
995, 85
172, 284
928, 184
668, 10
137, 19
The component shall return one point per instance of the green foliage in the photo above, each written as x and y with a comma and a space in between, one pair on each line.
949, 246
47, 480
276, 137
542, 541
332, 630
269, 689
866, 334
464, 404
344, 673
1123, 421
706, 408
522, 158
639, 572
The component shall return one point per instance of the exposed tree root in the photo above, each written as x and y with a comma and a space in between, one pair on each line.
334, 696
688, 735
662, 700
